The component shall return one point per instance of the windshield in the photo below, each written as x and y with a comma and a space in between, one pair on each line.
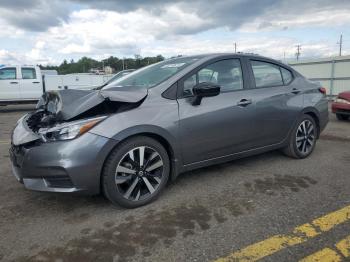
153, 75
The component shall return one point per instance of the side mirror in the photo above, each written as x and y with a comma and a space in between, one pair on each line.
205, 89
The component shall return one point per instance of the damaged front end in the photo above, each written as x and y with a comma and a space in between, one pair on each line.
66, 114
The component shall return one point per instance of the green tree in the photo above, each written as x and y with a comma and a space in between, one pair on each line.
85, 64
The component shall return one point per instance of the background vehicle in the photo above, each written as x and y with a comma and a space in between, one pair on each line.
131, 137
341, 106
25, 84
20, 84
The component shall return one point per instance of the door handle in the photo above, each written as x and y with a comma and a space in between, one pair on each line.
36, 82
13, 82
295, 91
244, 102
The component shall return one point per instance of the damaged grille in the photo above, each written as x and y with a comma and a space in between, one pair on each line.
41, 119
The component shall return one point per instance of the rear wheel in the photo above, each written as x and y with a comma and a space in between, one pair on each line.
136, 172
342, 117
302, 140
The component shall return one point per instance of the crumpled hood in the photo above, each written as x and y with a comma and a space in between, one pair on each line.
70, 103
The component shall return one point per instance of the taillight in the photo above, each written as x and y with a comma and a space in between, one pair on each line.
322, 90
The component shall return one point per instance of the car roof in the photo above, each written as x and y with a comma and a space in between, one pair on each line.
210, 56
218, 55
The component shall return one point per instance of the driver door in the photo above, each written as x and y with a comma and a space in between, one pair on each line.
220, 125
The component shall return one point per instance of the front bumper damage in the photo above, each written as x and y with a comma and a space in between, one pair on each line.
62, 166
68, 165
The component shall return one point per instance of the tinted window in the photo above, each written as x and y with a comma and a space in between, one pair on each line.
287, 76
226, 73
28, 73
266, 74
8, 73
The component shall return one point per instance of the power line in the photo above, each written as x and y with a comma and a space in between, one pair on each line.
297, 54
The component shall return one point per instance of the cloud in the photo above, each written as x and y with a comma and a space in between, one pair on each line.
52, 30
232, 14
36, 15
7, 57
39, 15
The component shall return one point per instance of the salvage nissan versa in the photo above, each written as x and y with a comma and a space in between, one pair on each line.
139, 132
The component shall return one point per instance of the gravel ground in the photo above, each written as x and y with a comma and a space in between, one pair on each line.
203, 215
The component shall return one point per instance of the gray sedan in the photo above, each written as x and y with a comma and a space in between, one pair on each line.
131, 138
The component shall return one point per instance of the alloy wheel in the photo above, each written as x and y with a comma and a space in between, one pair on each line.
139, 173
305, 137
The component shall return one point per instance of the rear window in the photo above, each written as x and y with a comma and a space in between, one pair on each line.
266, 74
287, 76
28, 73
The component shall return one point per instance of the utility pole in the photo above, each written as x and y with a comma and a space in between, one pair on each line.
235, 45
123, 63
298, 51
340, 43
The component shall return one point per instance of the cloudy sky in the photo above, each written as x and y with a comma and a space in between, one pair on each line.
46, 32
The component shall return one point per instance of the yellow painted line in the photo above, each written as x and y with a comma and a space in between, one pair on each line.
299, 235
324, 255
343, 246
4, 142
327, 222
331, 255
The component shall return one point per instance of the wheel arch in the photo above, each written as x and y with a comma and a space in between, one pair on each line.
316, 117
160, 135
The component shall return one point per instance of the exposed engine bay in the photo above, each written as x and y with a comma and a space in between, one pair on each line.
57, 107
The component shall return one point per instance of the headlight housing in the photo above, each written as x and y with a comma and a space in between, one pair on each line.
68, 131
341, 100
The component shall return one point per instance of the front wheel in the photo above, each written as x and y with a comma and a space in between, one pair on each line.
136, 172
302, 140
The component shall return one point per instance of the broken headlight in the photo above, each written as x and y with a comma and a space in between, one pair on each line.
67, 131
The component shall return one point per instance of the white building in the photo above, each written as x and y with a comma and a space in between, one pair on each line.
333, 73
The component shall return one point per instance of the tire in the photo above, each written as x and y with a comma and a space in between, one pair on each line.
129, 184
342, 117
300, 144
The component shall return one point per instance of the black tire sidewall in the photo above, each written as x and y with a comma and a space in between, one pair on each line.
293, 137
109, 186
342, 117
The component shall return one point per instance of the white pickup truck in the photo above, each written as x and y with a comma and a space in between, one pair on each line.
24, 84
20, 84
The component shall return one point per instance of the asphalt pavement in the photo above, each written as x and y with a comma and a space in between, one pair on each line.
267, 207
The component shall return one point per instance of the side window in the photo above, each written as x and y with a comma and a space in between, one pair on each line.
8, 73
207, 75
287, 76
266, 74
226, 73
28, 73
189, 83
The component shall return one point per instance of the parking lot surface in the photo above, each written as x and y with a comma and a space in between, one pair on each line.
267, 207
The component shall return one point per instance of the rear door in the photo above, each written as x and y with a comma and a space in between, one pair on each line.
220, 125
277, 101
31, 83
9, 84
